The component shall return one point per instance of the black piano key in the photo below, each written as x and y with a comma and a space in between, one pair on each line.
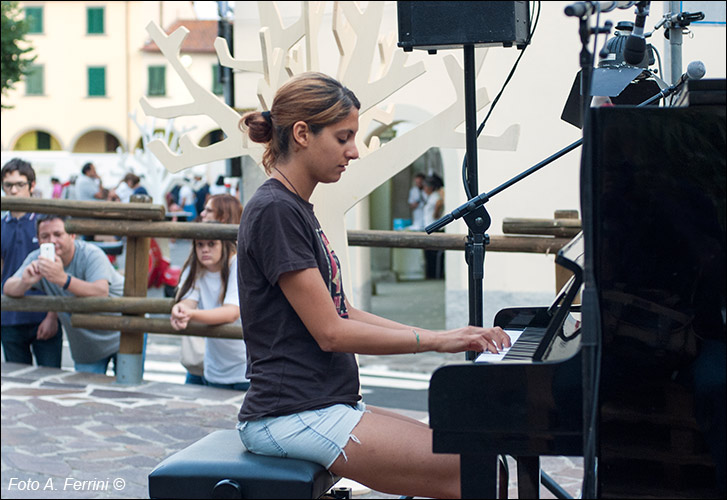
526, 345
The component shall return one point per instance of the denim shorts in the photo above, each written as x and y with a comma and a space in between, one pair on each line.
314, 435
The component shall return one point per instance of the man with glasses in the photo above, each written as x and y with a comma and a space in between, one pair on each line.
25, 334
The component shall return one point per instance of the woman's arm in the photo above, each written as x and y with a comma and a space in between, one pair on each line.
179, 316
372, 319
217, 316
366, 333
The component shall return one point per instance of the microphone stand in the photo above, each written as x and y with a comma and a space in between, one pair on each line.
478, 221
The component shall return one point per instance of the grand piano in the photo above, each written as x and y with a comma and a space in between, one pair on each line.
635, 376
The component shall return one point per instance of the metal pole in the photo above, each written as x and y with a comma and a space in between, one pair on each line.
475, 284
675, 44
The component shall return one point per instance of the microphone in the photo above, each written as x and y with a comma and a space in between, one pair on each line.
695, 71
581, 9
635, 48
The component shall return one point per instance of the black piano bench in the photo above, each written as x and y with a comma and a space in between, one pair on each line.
219, 466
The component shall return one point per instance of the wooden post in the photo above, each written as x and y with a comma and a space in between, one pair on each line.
562, 275
130, 359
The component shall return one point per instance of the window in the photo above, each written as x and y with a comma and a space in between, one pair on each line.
157, 80
96, 81
43, 141
34, 84
95, 20
34, 16
216, 81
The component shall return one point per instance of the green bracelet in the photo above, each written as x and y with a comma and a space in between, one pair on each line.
417, 335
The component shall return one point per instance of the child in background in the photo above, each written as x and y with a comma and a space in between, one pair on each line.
57, 188
226, 209
208, 295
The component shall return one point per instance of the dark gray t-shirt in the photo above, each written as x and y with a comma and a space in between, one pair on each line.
287, 369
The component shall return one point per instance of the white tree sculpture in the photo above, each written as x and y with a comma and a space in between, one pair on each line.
158, 180
357, 36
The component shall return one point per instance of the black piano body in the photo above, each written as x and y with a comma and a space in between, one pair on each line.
521, 408
657, 224
654, 218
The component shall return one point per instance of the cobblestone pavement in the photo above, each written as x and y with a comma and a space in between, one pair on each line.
77, 435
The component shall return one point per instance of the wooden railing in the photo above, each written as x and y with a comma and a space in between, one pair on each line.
139, 220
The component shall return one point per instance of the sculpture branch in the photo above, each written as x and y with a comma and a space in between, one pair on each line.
204, 103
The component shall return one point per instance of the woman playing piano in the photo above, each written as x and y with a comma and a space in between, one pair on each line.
301, 332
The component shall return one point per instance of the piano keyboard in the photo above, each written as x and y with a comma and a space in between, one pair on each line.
523, 344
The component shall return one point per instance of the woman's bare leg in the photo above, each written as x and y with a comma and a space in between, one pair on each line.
393, 454
393, 414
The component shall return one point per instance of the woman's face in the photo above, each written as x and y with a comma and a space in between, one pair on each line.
208, 213
209, 253
329, 151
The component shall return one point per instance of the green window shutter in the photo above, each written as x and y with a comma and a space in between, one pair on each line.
34, 80
216, 82
96, 81
34, 16
43, 141
157, 80
95, 20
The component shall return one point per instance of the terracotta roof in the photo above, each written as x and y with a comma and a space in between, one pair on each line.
200, 39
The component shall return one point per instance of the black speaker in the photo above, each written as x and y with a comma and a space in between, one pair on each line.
447, 25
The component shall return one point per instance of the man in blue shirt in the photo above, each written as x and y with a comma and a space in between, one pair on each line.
25, 331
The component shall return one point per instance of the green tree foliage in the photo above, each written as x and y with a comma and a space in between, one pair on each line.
15, 48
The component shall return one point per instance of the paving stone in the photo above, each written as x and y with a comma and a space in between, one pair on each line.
40, 372
112, 394
100, 407
125, 439
58, 410
85, 444
105, 454
141, 461
66, 432
50, 383
37, 392
183, 431
87, 467
40, 465
150, 434
89, 378
8, 368
149, 450
18, 380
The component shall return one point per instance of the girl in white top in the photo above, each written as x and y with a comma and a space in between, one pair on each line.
209, 295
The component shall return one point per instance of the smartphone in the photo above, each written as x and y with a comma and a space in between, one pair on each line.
48, 250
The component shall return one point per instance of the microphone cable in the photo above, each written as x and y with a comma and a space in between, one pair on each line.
534, 24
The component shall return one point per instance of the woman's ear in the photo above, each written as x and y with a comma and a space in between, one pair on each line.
300, 133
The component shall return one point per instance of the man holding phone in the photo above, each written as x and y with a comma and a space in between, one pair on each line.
80, 269
25, 334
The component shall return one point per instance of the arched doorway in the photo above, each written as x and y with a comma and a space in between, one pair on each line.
37, 140
96, 141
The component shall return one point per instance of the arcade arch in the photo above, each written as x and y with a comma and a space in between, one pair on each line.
96, 141
37, 140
